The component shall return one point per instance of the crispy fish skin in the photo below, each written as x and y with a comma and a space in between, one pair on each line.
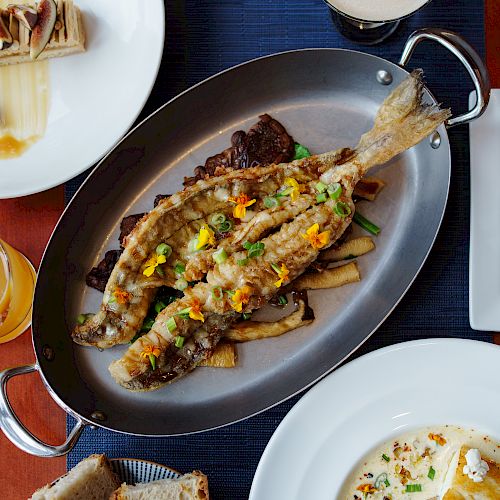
403, 121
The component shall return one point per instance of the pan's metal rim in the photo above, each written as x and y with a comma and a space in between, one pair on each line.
102, 425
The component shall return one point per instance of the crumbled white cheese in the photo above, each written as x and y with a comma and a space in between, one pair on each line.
476, 468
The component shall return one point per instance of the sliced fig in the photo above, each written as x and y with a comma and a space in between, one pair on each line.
26, 15
40, 36
5, 36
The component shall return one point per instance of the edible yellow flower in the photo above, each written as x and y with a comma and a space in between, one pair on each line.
282, 272
241, 297
296, 188
153, 263
242, 202
316, 240
195, 311
440, 440
152, 352
121, 296
367, 488
205, 237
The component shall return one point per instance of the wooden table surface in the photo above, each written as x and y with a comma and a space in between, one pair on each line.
27, 223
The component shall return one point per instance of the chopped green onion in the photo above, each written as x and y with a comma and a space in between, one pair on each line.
179, 268
242, 262
276, 268
256, 250
181, 284
431, 474
413, 488
217, 292
387, 483
152, 360
160, 271
285, 192
321, 187
184, 313
247, 245
381, 478
367, 225
385, 457
81, 318
342, 209
193, 244
147, 324
179, 341
164, 249
220, 256
159, 306
334, 191
111, 299
217, 219
246, 316
271, 202
229, 292
301, 152
225, 226
282, 300
321, 198
171, 325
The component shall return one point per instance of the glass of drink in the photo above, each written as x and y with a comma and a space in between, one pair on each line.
17, 283
369, 22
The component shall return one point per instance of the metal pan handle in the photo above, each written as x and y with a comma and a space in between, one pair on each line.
466, 55
15, 430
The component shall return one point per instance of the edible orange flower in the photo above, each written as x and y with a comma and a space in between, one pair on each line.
152, 352
440, 440
195, 310
295, 188
241, 297
282, 273
367, 488
242, 202
153, 263
205, 237
121, 296
316, 240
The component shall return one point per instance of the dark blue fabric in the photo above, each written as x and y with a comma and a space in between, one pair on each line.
207, 36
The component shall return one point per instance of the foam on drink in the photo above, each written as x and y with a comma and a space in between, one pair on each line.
377, 10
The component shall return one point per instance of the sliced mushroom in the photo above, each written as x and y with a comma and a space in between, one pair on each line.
40, 36
25, 14
5, 36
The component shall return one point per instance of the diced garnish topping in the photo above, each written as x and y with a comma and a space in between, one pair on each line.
171, 325
294, 188
159, 306
282, 300
256, 250
181, 284
431, 474
282, 272
193, 311
242, 202
366, 224
385, 457
220, 256
217, 293
271, 202
179, 268
226, 226
217, 219
241, 297
246, 316
321, 198
179, 341
81, 318
301, 152
315, 238
381, 479
440, 440
242, 262
164, 249
342, 209
334, 191
152, 352
221, 223
413, 488
321, 187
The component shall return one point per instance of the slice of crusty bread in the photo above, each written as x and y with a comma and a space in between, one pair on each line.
192, 486
91, 479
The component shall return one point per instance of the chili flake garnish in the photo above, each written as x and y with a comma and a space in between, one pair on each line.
440, 440
241, 297
152, 352
242, 202
195, 311
367, 488
120, 296
295, 188
282, 273
153, 263
315, 238
205, 237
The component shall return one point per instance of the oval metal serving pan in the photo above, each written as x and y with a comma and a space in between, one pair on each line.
326, 98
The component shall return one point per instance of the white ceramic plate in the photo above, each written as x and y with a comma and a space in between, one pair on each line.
95, 96
484, 262
378, 396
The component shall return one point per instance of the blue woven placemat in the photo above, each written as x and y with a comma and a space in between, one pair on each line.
204, 37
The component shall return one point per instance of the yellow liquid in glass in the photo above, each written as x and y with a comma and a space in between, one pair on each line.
17, 283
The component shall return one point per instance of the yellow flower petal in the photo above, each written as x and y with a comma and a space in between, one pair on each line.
250, 203
239, 212
149, 271
161, 259
196, 315
278, 283
314, 229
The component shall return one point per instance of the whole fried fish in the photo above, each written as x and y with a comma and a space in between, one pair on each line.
291, 234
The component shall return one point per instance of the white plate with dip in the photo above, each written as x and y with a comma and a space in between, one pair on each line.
374, 398
94, 96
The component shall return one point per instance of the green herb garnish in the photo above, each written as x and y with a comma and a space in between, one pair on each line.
282, 300
179, 269
301, 152
220, 256
171, 325
431, 474
271, 202
321, 198
179, 341
413, 488
385, 457
334, 191
217, 293
246, 316
342, 209
367, 225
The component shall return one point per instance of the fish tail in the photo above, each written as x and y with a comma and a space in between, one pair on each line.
403, 120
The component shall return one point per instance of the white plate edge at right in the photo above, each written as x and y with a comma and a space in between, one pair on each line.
484, 257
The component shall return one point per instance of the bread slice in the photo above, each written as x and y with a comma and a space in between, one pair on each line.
67, 38
91, 479
192, 486
461, 487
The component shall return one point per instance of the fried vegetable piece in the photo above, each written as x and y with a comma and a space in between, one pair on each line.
329, 278
224, 356
348, 250
368, 188
253, 330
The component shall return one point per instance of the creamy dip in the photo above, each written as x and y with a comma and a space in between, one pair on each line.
414, 465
